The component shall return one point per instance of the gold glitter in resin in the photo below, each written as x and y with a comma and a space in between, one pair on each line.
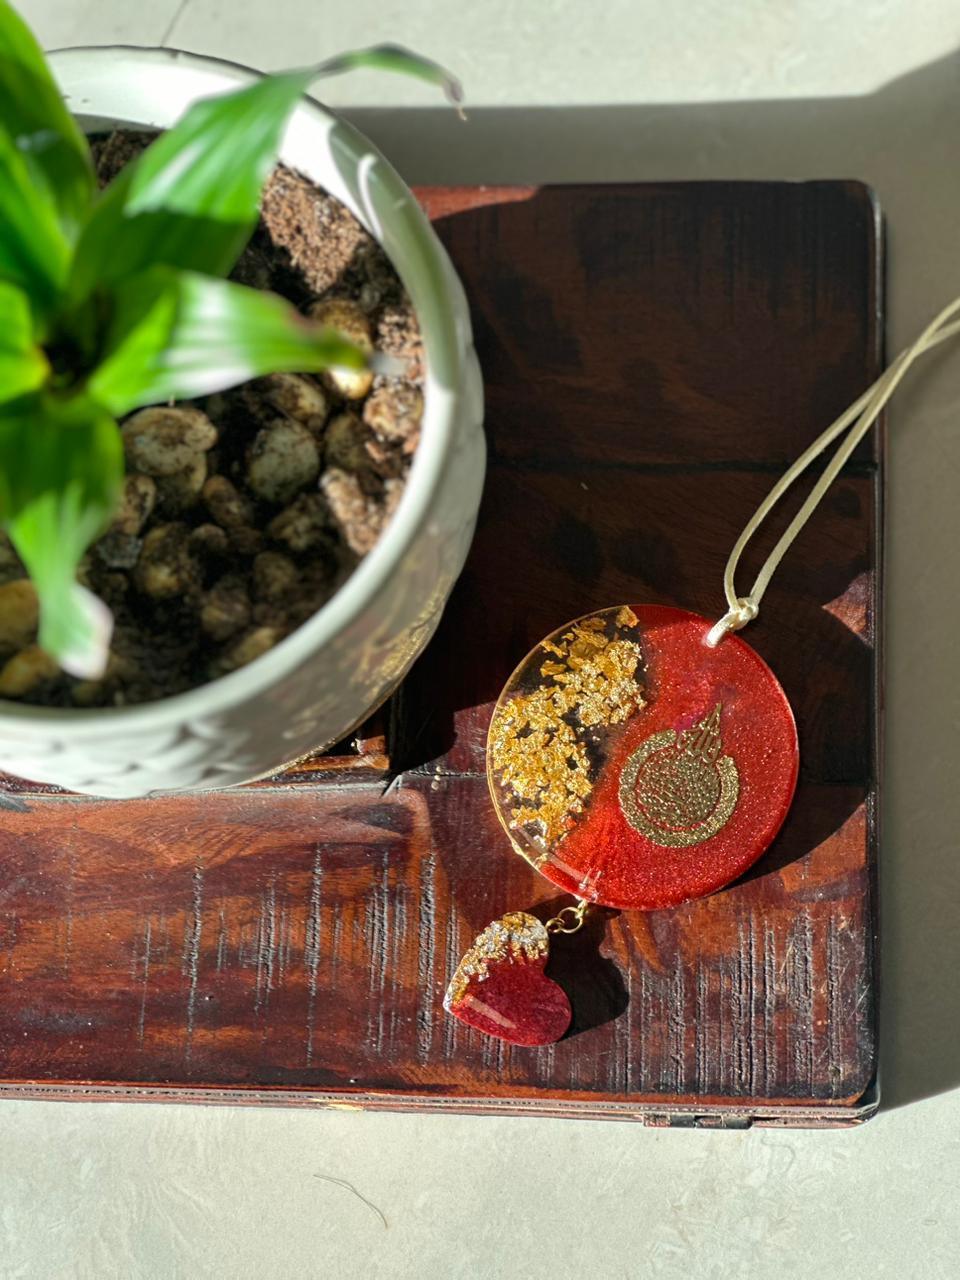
536, 744
516, 936
678, 789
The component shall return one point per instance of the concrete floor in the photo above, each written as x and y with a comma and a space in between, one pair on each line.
563, 90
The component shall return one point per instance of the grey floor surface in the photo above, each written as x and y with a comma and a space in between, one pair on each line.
626, 89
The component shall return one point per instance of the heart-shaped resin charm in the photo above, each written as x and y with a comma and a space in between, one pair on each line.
500, 986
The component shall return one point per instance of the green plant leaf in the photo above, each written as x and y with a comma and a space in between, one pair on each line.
115, 244
178, 334
61, 465
215, 161
33, 251
395, 58
39, 124
191, 199
23, 366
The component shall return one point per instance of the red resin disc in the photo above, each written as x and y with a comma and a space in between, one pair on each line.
500, 987
635, 766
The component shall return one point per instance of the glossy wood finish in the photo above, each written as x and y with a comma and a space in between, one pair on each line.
654, 355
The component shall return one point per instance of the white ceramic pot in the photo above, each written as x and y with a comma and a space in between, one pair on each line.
321, 681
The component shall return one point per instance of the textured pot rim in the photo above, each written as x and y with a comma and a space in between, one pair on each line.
438, 323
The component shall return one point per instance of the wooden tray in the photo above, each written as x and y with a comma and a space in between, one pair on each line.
654, 356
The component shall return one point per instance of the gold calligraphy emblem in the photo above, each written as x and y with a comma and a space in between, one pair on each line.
678, 789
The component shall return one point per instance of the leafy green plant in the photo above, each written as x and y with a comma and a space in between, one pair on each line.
115, 300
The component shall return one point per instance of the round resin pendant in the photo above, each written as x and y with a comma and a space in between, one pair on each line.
636, 767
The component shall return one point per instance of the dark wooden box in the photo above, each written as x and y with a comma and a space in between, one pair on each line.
654, 356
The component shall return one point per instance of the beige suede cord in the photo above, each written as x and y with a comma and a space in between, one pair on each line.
863, 414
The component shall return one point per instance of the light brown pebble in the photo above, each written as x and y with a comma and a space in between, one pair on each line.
344, 443
342, 314
250, 646
350, 320
18, 614
137, 500
89, 693
304, 525
118, 550
246, 542
163, 441
180, 492
230, 508
275, 577
167, 567
298, 397
374, 267
358, 516
370, 297
394, 411
268, 614
209, 541
397, 334
94, 693
283, 459
226, 608
22, 673
386, 461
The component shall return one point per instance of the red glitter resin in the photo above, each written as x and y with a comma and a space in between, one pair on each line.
603, 857
515, 1002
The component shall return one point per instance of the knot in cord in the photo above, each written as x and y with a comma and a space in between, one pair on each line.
736, 617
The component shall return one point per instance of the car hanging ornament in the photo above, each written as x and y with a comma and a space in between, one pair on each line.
642, 756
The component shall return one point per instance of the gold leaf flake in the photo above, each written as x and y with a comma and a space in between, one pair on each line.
537, 750
517, 935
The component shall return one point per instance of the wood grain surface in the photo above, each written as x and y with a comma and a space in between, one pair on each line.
654, 355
